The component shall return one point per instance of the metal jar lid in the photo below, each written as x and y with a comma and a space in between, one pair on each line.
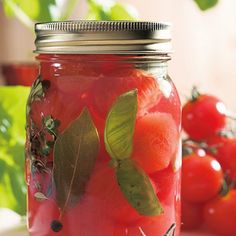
103, 37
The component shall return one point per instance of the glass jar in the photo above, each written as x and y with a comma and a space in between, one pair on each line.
103, 132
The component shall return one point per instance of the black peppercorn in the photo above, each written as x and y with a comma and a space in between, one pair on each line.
56, 225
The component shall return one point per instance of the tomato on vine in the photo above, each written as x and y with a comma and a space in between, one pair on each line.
220, 214
225, 152
192, 215
203, 116
202, 178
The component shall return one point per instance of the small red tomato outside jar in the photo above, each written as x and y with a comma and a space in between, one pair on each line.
103, 131
202, 178
203, 116
220, 214
224, 150
191, 215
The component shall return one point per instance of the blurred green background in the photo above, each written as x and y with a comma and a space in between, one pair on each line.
13, 98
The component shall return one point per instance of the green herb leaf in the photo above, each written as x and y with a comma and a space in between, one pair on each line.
2, 169
29, 7
18, 188
36, 93
38, 10
122, 12
107, 10
206, 4
75, 154
51, 125
12, 140
46, 150
119, 128
137, 188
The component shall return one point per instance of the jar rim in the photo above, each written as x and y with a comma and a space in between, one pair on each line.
103, 37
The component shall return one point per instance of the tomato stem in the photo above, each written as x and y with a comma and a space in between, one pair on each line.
195, 145
224, 188
194, 94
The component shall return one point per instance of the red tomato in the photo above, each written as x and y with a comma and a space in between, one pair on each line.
107, 88
192, 215
152, 227
220, 214
225, 152
164, 181
155, 141
41, 215
201, 178
203, 117
104, 191
216, 141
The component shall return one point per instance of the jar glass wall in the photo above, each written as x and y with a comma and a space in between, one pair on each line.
103, 146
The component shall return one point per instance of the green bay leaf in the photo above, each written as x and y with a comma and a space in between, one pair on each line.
119, 128
75, 154
137, 188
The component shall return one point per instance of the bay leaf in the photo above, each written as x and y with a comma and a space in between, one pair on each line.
137, 188
119, 128
40, 197
75, 154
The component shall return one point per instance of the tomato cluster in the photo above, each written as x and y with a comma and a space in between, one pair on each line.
209, 167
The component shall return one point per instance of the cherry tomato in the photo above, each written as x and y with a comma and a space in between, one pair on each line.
202, 178
192, 215
155, 141
203, 117
225, 152
220, 214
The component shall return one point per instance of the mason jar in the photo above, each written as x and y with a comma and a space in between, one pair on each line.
103, 131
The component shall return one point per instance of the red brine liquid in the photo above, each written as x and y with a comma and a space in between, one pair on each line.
62, 203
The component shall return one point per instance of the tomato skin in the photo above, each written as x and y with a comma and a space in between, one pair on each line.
155, 141
225, 153
203, 117
202, 178
220, 214
192, 215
